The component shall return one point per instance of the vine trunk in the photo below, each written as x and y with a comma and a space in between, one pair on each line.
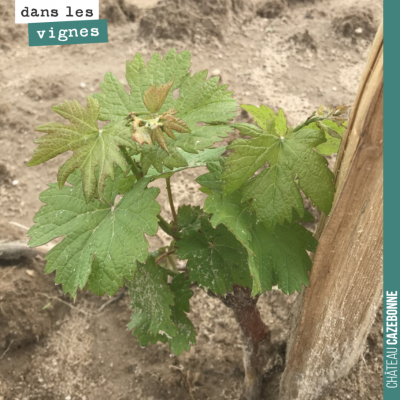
256, 338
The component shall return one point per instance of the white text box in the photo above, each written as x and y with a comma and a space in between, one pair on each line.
31, 11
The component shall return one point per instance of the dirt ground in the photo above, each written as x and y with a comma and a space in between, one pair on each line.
293, 55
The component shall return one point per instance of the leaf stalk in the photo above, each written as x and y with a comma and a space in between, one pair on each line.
165, 255
167, 228
171, 203
135, 170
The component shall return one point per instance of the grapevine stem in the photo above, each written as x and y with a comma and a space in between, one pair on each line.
136, 171
165, 255
256, 337
171, 202
167, 228
171, 273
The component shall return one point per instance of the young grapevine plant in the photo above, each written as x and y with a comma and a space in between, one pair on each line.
248, 238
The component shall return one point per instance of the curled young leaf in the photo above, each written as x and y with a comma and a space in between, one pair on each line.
194, 121
141, 134
158, 136
155, 96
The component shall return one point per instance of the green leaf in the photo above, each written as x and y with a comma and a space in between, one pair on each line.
92, 147
155, 96
204, 105
274, 194
293, 164
308, 217
332, 144
159, 70
150, 294
202, 100
213, 255
157, 157
248, 129
227, 210
102, 240
122, 183
261, 115
274, 258
247, 158
189, 218
180, 287
211, 180
192, 161
202, 137
159, 310
186, 335
330, 147
115, 103
140, 323
280, 257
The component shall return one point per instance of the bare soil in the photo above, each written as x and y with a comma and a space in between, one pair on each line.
293, 55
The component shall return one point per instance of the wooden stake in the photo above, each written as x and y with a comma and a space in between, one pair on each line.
339, 307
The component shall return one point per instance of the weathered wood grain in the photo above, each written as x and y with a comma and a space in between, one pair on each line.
337, 309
